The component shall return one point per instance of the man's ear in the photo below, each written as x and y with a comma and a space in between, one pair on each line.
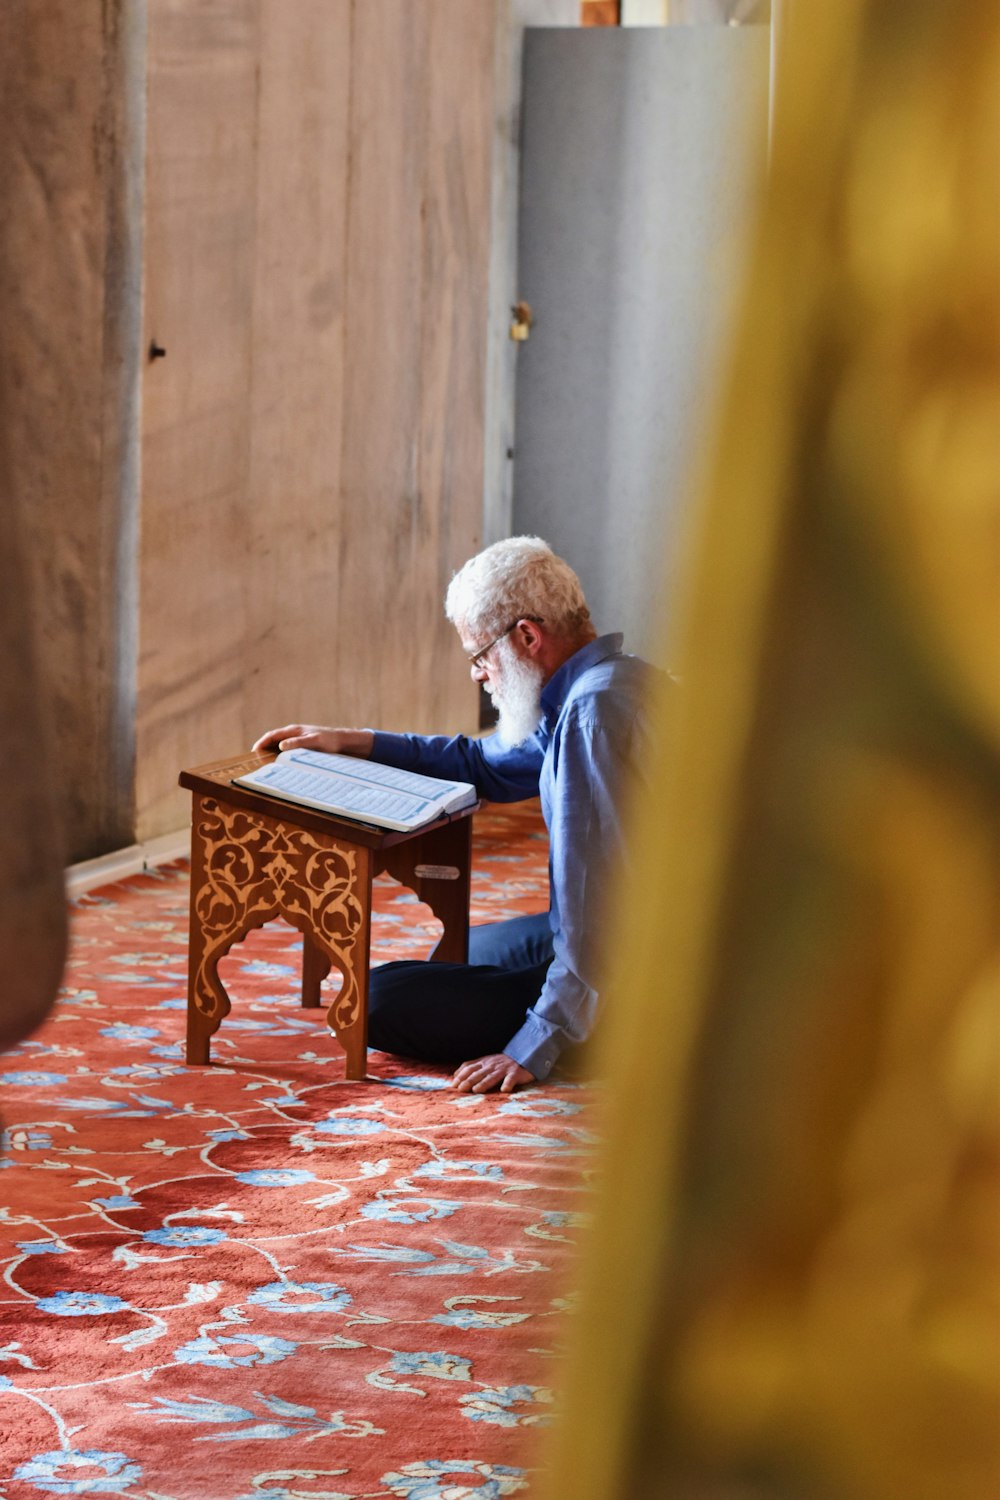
531, 636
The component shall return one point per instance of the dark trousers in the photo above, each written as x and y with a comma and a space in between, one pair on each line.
447, 1013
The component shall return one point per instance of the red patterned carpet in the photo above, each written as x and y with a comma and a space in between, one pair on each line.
257, 1281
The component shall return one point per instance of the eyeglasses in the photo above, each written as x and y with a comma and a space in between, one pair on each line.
477, 657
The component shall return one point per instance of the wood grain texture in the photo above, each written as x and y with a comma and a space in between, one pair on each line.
453, 350
313, 256
316, 265
293, 665
412, 468
32, 898
62, 365
382, 399
200, 226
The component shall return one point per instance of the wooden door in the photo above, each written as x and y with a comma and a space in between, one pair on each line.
317, 246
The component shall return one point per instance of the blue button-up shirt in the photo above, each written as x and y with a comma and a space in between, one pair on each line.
591, 743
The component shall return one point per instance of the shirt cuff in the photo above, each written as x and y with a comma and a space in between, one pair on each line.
536, 1046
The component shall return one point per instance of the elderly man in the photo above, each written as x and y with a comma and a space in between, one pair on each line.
572, 727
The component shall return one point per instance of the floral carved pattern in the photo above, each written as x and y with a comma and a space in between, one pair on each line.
255, 868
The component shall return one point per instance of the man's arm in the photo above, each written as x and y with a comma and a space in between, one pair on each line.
586, 848
499, 773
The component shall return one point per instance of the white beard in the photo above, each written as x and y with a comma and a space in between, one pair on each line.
517, 694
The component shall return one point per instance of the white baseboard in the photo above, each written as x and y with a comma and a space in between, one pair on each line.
120, 863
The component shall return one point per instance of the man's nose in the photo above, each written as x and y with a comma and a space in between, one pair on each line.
480, 672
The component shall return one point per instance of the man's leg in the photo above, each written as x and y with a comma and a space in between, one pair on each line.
448, 1013
518, 943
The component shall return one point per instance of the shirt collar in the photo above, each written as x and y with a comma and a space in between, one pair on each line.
557, 689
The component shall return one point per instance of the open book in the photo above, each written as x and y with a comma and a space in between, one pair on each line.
359, 789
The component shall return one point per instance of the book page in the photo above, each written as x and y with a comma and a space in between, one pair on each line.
358, 797
372, 773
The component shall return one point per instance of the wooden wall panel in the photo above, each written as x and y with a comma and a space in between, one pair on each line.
453, 344
413, 461
382, 604
318, 226
68, 314
293, 662
313, 255
200, 225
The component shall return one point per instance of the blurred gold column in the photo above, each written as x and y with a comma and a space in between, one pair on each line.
792, 1284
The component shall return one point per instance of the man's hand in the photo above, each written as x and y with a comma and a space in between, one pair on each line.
317, 737
481, 1074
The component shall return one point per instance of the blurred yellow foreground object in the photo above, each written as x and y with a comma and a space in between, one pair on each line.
792, 1286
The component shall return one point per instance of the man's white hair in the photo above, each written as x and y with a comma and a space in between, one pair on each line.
515, 578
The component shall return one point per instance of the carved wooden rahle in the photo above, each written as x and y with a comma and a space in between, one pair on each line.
254, 858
